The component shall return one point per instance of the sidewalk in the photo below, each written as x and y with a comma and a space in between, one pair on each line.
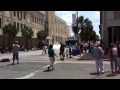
88, 56
21, 54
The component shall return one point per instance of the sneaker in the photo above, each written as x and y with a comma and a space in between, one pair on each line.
102, 73
98, 73
53, 68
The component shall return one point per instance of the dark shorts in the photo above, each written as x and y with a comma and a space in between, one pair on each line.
61, 53
15, 56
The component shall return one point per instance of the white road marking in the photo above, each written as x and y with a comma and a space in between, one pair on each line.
34, 73
30, 75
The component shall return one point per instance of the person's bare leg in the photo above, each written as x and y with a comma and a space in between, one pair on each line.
13, 62
17, 61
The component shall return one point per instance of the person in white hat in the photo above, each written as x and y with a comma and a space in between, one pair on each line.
98, 55
15, 49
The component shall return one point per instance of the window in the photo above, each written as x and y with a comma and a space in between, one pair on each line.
18, 14
56, 38
34, 19
17, 25
41, 22
37, 20
24, 15
0, 23
21, 26
21, 14
117, 15
14, 13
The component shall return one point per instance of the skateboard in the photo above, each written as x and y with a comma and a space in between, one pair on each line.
48, 68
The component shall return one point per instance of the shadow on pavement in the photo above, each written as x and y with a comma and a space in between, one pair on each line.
94, 73
100, 76
47, 70
11, 64
110, 75
42, 55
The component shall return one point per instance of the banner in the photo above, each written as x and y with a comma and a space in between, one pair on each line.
74, 22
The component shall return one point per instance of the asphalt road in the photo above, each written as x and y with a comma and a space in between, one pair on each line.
31, 67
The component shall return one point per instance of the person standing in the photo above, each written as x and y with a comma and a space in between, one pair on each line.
44, 49
70, 51
118, 59
51, 54
62, 48
15, 49
98, 55
113, 58
67, 52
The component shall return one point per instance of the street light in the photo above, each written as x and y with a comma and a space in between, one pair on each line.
77, 19
77, 26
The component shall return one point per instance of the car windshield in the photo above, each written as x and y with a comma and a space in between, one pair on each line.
71, 42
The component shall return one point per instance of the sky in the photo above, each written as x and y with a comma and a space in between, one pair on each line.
94, 16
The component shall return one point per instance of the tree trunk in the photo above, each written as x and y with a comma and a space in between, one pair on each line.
89, 46
3, 40
9, 44
26, 42
31, 42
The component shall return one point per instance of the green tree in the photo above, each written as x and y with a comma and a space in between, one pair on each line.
27, 33
75, 30
93, 36
80, 21
11, 31
42, 35
86, 30
97, 37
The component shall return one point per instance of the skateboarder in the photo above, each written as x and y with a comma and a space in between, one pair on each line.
51, 54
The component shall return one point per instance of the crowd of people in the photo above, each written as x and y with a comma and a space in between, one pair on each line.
98, 52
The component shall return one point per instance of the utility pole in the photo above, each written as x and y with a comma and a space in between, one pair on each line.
77, 26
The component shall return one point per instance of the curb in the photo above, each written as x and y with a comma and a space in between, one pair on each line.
93, 59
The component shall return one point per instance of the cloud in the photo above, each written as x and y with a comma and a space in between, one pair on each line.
65, 15
97, 15
94, 16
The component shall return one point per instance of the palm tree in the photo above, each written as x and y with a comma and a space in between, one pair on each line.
88, 29
11, 31
27, 33
75, 30
94, 36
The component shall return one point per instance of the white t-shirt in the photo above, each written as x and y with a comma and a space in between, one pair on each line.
114, 50
67, 50
15, 48
45, 47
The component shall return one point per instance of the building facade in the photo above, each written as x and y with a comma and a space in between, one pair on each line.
20, 19
37, 20
57, 28
110, 26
